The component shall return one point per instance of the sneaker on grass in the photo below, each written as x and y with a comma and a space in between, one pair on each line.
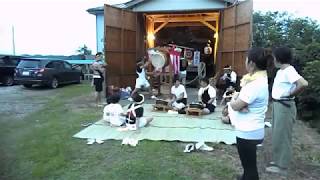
277, 170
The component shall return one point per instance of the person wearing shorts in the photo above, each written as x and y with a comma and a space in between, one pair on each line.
98, 68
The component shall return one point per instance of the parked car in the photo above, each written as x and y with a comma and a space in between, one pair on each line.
7, 67
47, 72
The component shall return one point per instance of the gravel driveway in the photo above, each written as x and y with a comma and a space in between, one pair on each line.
17, 101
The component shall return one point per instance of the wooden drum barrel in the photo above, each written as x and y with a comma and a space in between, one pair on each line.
159, 57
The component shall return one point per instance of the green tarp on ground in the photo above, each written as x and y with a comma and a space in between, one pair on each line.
168, 127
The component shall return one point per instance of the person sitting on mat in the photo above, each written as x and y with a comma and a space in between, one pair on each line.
134, 117
113, 112
179, 95
141, 80
207, 96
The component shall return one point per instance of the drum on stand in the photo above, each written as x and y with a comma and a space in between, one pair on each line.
159, 57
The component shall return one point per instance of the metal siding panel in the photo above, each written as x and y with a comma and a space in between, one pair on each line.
100, 32
178, 5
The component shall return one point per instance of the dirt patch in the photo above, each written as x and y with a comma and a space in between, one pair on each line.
18, 101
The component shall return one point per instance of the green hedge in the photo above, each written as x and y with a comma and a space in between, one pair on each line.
310, 99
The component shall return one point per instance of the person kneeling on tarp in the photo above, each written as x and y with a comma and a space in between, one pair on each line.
134, 118
113, 112
207, 96
179, 96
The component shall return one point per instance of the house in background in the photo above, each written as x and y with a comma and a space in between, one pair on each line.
125, 31
98, 12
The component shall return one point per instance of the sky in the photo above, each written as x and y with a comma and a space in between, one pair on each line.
60, 27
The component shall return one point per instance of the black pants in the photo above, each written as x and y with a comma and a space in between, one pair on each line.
247, 150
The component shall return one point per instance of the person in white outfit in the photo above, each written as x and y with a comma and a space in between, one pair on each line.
141, 80
179, 95
113, 112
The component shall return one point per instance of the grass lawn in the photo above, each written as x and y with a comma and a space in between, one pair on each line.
40, 146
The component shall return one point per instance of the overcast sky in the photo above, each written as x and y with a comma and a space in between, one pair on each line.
60, 27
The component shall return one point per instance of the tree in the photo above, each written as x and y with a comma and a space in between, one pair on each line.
274, 29
84, 50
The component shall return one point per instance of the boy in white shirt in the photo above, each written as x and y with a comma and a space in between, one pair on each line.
207, 96
179, 95
113, 112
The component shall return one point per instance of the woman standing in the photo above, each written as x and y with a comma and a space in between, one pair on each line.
287, 84
247, 111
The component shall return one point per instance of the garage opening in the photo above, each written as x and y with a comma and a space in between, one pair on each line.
192, 38
195, 34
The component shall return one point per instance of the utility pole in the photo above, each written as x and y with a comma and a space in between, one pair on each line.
13, 42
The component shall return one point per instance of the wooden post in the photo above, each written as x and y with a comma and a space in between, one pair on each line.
216, 42
150, 32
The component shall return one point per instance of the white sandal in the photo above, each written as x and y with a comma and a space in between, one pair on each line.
91, 141
189, 148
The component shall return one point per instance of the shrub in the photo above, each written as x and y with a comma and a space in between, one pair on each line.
310, 99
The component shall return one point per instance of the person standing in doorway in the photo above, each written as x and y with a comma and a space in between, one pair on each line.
287, 84
98, 68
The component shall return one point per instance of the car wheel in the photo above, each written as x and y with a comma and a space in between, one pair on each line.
8, 81
54, 83
27, 85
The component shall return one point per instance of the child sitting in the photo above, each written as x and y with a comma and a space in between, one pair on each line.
207, 97
179, 96
227, 96
113, 112
134, 118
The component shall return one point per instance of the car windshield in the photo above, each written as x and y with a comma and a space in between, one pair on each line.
29, 64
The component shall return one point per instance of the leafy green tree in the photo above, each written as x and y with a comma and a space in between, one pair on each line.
84, 50
274, 29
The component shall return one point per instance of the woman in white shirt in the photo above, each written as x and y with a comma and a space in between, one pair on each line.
287, 84
247, 111
179, 95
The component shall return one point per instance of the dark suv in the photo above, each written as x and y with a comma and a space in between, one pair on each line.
51, 73
7, 67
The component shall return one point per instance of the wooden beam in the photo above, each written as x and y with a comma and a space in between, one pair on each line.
185, 19
189, 24
184, 15
209, 25
160, 27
